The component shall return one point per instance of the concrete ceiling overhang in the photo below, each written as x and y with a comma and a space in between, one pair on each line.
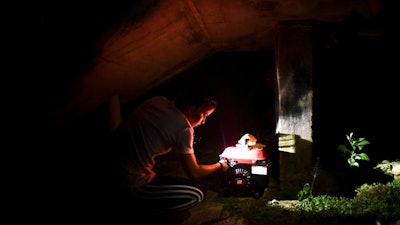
154, 41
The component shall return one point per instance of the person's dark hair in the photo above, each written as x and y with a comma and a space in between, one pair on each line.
184, 100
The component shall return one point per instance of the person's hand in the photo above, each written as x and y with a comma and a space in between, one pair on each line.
224, 164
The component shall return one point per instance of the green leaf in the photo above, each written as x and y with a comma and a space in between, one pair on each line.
362, 143
363, 156
350, 136
343, 148
305, 192
352, 162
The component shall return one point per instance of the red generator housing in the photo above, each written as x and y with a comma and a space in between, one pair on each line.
248, 173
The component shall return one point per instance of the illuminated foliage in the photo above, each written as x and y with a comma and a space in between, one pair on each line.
353, 153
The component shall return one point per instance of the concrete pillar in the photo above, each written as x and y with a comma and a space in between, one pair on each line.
294, 105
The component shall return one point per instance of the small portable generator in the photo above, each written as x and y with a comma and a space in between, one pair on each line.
249, 169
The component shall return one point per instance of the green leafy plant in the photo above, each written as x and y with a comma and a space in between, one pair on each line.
376, 202
357, 144
371, 200
306, 192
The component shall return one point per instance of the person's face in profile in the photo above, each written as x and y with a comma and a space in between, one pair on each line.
198, 115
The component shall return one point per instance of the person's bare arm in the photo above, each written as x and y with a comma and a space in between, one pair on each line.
195, 170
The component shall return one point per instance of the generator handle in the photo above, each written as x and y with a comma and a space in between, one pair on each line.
231, 164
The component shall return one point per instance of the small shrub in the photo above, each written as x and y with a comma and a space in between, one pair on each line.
371, 200
307, 190
356, 146
382, 200
326, 204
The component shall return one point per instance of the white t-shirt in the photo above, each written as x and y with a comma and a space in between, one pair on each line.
154, 128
